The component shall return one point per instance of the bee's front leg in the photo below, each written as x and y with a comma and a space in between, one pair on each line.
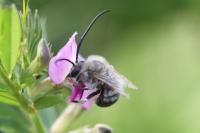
93, 94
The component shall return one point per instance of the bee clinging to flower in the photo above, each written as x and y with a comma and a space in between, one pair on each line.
92, 79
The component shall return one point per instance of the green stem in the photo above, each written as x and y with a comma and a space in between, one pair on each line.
27, 107
15, 89
64, 121
45, 87
37, 123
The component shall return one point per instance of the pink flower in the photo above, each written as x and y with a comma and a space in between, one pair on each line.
59, 68
79, 94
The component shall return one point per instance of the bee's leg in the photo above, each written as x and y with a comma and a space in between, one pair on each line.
75, 101
81, 96
86, 88
79, 101
88, 97
93, 94
78, 77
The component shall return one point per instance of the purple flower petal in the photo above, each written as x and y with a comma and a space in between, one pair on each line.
88, 104
78, 94
58, 68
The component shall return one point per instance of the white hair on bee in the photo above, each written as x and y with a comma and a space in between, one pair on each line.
108, 74
97, 57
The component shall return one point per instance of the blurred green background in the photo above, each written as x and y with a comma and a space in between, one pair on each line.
154, 43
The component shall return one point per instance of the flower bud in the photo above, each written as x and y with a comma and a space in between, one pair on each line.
102, 128
98, 128
42, 57
43, 51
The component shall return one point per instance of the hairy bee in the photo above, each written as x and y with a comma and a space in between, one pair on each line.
96, 73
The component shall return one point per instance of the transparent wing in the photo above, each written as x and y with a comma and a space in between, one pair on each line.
114, 79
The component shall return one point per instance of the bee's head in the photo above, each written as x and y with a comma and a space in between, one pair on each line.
76, 69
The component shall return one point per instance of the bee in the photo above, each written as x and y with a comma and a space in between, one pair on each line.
96, 73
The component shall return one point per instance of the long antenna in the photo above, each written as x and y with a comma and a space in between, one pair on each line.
87, 30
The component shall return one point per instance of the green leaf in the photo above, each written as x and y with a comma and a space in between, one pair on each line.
27, 78
10, 36
2, 85
49, 101
12, 120
7, 98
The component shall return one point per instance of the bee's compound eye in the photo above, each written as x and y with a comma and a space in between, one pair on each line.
74, 73
76, 69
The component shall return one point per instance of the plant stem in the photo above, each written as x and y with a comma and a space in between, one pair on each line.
45, 87
15, 89
27, 106
37, 123
69, 115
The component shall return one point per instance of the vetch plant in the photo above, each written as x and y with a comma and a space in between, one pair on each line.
25, 84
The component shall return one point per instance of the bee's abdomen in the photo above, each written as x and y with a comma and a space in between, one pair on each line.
107, 97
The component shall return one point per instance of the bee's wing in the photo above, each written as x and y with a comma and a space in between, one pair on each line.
114, 79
